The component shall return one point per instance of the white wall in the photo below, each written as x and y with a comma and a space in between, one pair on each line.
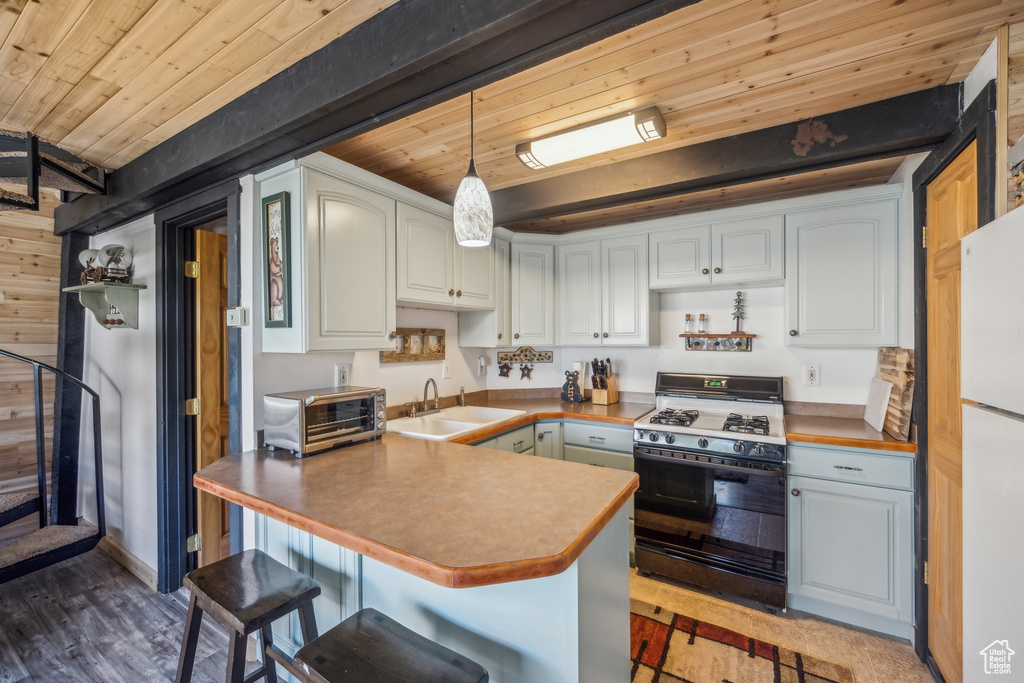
984, 71
120, 365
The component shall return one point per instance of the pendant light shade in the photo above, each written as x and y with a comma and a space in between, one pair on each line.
474, 220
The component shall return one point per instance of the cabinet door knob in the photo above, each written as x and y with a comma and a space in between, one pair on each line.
458, 293
516, 335
499, 335
595, 335
451, 292
392, 335
795, 492
718, 270
704, 271
605, 334
792, 333
540, 436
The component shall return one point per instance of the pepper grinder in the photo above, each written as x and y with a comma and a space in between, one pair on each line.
702, 324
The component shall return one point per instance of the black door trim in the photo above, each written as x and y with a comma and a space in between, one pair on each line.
978, 122
175, 328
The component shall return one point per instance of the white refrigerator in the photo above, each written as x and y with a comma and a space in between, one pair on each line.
992, 374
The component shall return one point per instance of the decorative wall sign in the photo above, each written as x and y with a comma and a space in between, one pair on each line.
276, 267
525, 354
526, 371
504, 369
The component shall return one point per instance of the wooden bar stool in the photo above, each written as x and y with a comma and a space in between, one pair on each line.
244, 593
369, 647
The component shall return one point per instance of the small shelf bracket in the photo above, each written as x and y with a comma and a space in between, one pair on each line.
114, 304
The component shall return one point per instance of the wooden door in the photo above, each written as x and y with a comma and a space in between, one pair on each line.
952, 212
212, 388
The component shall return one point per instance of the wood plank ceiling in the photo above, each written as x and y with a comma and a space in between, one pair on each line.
715, 69
110, 79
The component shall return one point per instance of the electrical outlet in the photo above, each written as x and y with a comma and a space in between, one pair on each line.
481, 366
342, 372
812, 375
446, 369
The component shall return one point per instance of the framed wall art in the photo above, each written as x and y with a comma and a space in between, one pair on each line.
276, 267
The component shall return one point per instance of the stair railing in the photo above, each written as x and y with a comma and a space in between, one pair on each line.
37, 380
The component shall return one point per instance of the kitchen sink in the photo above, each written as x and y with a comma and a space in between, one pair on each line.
451, 423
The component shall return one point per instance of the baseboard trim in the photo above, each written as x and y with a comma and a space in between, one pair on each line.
126, 559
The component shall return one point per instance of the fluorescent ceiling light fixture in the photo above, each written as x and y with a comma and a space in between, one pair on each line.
593, 138
474, 220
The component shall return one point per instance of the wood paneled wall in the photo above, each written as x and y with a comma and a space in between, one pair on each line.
29, 298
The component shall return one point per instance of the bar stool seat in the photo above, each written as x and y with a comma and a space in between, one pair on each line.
370, 647
245, 593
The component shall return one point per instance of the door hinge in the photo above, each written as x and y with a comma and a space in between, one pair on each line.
194, 543
926, 573
192, 406
924, 236
192, 269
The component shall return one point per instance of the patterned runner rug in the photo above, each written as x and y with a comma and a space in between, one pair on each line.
674, 648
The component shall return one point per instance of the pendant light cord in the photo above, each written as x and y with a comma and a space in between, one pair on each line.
471, 147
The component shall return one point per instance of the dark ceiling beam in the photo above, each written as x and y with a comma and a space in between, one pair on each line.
405, 59
904, 124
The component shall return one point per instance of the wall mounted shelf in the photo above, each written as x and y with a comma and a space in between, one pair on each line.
114, 304
730, 341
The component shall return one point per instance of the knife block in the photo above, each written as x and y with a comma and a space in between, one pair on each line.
605, 397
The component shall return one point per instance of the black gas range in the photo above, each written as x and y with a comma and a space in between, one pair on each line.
711, 508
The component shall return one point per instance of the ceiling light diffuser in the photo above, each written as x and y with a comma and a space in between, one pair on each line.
593, 138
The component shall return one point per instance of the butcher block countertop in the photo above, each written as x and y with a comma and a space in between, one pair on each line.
842, 431
455, 515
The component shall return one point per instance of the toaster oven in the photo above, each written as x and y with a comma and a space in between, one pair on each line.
308, 422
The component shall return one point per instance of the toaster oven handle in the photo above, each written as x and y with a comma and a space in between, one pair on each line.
313, 399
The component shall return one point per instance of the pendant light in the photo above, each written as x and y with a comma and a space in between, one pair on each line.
474, 221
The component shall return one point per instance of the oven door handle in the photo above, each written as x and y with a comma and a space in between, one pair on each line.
757, 472
317, 399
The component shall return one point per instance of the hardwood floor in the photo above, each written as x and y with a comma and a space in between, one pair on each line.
88, 619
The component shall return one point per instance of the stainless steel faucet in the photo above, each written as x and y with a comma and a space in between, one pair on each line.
462, 397
437, 399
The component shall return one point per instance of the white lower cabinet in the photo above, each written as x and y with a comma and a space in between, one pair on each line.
841, 275
547, 437
851, 544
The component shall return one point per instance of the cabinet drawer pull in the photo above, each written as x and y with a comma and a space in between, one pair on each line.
596, 438
795, 492
852, 469
704, 271
594, 464
517, 444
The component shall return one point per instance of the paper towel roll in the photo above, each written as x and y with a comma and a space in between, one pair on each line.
579, 368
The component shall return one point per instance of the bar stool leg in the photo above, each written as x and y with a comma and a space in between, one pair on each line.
307, 622
187, 656
267, 641
236, 658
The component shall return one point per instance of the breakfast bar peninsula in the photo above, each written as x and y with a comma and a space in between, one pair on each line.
519, 563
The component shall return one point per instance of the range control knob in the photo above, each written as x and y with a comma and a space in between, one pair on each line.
738, 447
653, 436
380, 426
670, 438
703, 443
757, 450
639, 435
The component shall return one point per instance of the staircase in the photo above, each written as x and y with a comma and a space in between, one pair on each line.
51, 543
24, 159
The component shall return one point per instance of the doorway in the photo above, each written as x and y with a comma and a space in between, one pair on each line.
179, 231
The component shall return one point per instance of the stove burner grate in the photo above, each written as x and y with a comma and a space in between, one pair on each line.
678, 418
748, 424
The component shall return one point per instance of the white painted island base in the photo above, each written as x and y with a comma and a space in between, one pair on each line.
572, 627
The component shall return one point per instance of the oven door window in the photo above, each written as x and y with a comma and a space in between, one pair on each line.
327, 421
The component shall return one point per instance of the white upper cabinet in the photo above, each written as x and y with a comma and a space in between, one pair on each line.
744, 251
342, 263
748, 250
579, 294
490, 329
433, 270
603, 295
426, 256
533, 294
841, 275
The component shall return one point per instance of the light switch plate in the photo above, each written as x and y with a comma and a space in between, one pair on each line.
237, 317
